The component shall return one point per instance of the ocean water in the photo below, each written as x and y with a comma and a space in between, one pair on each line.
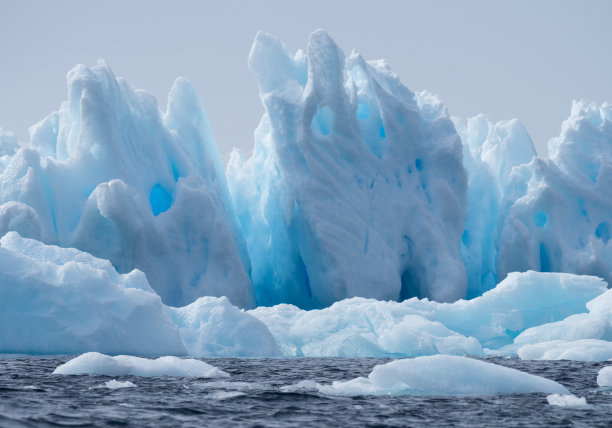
256, 395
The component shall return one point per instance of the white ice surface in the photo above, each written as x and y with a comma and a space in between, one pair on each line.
94, 363
115, 384
565, 400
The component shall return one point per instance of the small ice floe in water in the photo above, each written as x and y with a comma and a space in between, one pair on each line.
115, 384
442, 375
567, 400
604, 377
223, 395
95, 363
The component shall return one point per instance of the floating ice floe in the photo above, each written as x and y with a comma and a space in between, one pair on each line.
565, 400
604, 377
443, 375
94, 363
115, 384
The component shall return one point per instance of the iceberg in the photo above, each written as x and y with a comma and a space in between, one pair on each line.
94, 363
363, 219
110, 175
355, 187
444, 375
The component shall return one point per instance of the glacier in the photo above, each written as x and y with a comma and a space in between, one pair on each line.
368, 222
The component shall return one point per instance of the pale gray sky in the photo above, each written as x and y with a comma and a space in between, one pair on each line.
523, 59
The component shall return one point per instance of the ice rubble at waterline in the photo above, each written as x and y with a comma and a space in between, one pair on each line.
358, 189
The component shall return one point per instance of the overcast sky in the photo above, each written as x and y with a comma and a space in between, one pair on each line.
515, 59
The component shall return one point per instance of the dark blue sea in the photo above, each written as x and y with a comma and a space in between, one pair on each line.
254, 396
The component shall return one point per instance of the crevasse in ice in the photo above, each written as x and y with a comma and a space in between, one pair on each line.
355, 187
110, 175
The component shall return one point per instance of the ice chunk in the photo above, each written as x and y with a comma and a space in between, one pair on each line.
110, 175
60, 300
365, 327
443, 375
213, 327
355, 187
94, 363
580, 350
115, 384
604, 377
566, 400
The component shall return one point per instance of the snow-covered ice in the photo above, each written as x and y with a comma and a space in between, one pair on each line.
443, 375
94, 363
